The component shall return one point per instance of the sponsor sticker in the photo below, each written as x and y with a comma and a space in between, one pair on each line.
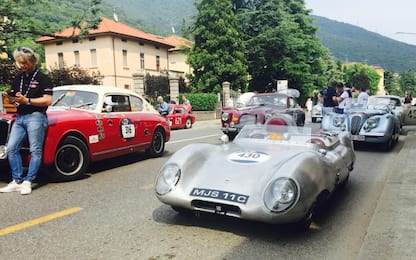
248, 157
93, 139
218, 194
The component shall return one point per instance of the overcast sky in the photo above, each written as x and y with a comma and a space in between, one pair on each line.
385, 17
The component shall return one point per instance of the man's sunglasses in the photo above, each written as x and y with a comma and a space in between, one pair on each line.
24, 50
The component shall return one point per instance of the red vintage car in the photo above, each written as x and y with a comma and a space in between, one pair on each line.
260, 108
180, 116
89, 123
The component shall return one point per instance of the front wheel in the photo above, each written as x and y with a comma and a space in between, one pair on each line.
71, 159
157, 147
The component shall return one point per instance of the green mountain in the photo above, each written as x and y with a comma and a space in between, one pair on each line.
350, 43
346, 42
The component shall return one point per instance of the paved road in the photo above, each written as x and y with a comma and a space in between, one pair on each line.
113, 214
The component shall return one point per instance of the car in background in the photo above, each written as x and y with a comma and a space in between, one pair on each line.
316, 113
88, 123
405, 112
259, 109
180, 116
373, 122
270, 173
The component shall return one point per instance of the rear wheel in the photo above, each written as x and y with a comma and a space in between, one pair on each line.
71, 159
188, 123
157, 147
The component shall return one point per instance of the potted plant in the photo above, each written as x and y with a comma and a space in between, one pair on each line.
5, 105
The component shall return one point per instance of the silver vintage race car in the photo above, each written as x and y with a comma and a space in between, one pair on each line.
269, 173
373, 122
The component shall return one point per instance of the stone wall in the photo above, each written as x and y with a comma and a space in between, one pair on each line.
205, 115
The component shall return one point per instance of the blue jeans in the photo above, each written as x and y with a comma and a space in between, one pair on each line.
32, 126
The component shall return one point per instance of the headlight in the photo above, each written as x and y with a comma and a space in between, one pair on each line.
3, 152
338, 121
225, 117
371, 123
168, 177
280, 194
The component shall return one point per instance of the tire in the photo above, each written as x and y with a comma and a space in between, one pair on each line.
157, 147
344, 183
188, 123
304, 224
71, 159
313, 119
181, 210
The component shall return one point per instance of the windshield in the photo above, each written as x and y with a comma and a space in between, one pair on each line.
79, 99
274, 134
379, 103
275, 100
395, 101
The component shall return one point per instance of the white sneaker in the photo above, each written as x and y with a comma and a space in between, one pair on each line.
26, 188
12, 186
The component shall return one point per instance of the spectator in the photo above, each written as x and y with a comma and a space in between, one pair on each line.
344, 97
408, 98
326, 97
163, 107
363, 96
309, 104
31, 92
185, 101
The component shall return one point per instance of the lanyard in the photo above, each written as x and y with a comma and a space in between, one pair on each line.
28, 85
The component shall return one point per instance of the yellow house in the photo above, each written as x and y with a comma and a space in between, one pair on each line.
115, 50
179, 54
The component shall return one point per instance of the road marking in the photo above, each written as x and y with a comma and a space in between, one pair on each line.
192, 139
38, 221
148, 186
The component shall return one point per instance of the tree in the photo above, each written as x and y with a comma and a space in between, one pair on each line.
281, 44
391, 84
362, 76
25, 20
74, 75
407, 82
218, 53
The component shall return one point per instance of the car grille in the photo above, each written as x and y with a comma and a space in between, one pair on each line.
355, 125
247, 120
5, 127
217, 208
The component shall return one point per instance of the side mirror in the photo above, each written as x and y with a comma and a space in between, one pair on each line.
108, 108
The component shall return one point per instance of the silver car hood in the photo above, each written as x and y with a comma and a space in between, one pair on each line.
237, 168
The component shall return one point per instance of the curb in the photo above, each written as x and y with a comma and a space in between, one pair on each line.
392, 230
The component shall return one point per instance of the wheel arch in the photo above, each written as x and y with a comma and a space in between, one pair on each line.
48, 157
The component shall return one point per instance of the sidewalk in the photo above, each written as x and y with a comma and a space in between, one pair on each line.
204, 123
392, 231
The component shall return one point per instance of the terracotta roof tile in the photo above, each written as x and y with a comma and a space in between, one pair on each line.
108, 26
178, 42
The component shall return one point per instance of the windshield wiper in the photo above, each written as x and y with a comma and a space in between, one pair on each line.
59, 99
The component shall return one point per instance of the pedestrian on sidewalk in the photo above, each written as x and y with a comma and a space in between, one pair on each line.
31, 93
